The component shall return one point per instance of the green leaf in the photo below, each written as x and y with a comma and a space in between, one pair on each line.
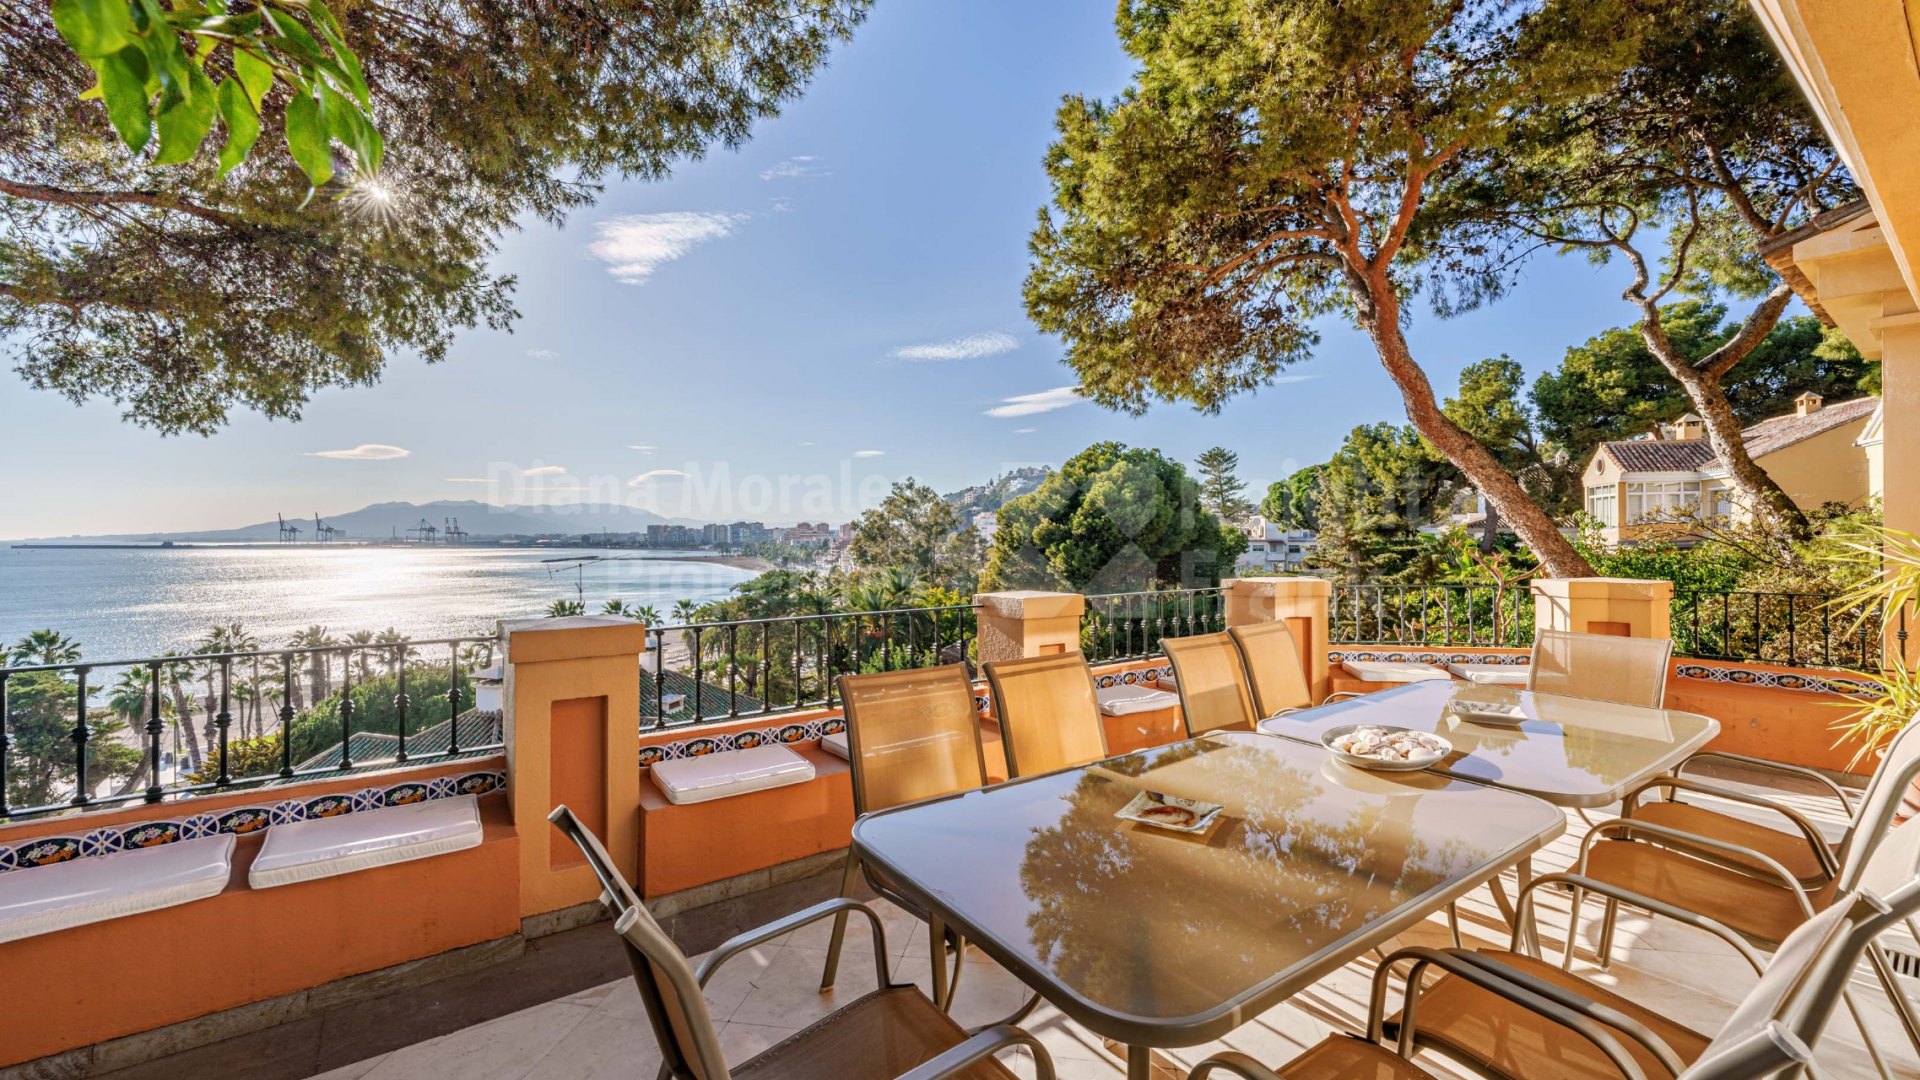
243, 124
307, 139
94, 28
344, 121
123, 86
296, 39
164, 52
255, 75
349, 62
185, 120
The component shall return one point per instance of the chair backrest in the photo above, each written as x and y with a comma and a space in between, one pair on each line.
1274, 671
1775, 1026
1601, 667
668, 989
1049, 714
1884, 801
1212, 683
1877, 854
911, 735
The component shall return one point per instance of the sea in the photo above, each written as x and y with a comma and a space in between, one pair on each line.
131, 603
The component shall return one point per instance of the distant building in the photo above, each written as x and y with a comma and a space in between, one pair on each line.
672, 536
809, 534
1817, 453
1272, 548
986, 523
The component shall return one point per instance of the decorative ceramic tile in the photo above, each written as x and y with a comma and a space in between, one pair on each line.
700, 747
100, 842
791, 733
368, 799
1780, 680
405, 794
245, 819
652, 754
152, 834
746, 740
290, 811
7, 860
479, 783
47, 850
1402, 656
440, 787
833, 725
199, 825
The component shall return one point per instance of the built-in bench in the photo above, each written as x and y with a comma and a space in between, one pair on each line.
1137, 716
327, 847
686, 845
43, 899
723, 775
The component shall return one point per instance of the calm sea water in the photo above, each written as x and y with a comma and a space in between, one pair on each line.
136, 603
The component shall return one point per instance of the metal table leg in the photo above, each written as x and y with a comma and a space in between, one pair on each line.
1139, 1063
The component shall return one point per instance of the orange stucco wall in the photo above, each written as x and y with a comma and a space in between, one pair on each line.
1791, 726
143, 971
683, 847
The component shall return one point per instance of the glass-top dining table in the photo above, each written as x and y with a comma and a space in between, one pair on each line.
1155, 938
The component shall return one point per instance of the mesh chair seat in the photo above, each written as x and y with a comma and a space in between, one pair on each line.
1747, 905
1049, 713
1213, 683
1601, 667
877, 1037
1274, 671
1341, 1057
1790, 850
1502, 1038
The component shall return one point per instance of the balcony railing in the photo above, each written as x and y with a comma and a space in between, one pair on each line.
1437, 615
99, 734
717, 671
1785, 628
1129, 626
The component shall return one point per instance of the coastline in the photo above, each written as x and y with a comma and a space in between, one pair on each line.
739, 562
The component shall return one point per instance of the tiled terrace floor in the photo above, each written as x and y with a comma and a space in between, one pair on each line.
772, 991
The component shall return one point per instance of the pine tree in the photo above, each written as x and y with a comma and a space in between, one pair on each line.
1220, 486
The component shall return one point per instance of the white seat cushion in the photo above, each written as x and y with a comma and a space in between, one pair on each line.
325, 847
42, 899
730, 772
1381, 671
836, 744
1122, 700
1491, 674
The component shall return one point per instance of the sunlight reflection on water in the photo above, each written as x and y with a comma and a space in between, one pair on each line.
134, 603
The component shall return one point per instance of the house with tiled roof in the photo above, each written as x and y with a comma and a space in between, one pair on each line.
1818, 454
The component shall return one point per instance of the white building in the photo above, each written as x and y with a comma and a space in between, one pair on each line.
1269, 547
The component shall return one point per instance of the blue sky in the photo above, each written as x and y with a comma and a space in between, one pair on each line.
766, 320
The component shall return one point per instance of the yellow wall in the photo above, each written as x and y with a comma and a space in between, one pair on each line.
1826, 468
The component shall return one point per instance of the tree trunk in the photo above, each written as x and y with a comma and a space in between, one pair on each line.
1490, 528
183, 719
1379, 311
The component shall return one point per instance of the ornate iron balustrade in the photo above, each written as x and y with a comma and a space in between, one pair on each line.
1129, 625
237, 720
718, 671
1786, 628
1439, 615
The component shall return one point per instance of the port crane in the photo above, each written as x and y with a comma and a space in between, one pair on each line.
324, 531
453, 532
288, 533
425, 532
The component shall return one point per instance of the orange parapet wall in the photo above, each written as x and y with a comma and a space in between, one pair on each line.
91, 983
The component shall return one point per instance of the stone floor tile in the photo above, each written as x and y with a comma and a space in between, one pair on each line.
502, 1049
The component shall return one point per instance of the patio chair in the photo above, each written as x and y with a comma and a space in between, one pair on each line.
1601, 667
1274, 671
1504, 1015
1049, 713
911, 735
1803, 852
893, 1031
1760, 903
1212, 683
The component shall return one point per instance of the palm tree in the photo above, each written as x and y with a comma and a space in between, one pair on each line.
362, 666
646, 613
178, 670
128, 699
616, 607
319, 671
45, 647
684, 611
560, 609
227, 637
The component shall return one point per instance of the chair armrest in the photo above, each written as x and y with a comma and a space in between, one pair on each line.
1338, 694
1508, 989
1523, 905
1629, 825
1838, 792
1232, 1061
745, 940
1583, 1006
985, 1045
1815, 839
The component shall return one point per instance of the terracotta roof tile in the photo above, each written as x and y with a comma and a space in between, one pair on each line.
1765, 437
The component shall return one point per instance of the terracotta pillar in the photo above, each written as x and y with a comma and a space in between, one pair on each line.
1624, 607
1301, 603
572, 697
1900, 450
1025, 623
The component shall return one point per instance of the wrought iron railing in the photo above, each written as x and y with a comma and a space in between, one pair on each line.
108, 733
1129, 626
1437, 615
716, 671
1786, 628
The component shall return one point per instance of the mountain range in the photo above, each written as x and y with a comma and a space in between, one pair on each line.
382, 521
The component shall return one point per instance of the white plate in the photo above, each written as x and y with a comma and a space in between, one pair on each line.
1489, 712
1203, 813
1361, 762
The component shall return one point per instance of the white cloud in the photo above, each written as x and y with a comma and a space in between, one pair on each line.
652, 475
1043, 402
781, 204
869, 453
363, 452
636, 244
1024, 430
802, 167
971, 347
466, 480
645, 448
545, 470
542, 354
